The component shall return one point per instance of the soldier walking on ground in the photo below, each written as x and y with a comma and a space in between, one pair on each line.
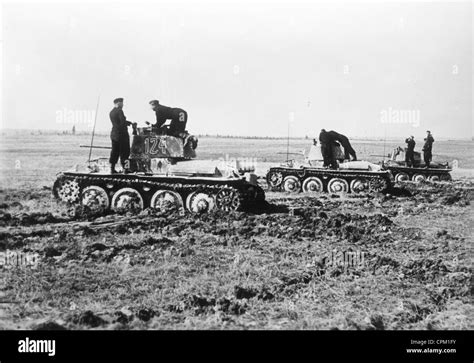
178, 117
410, 153
427, 149
119, 136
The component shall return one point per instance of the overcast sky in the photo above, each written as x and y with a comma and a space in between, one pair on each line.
245, 67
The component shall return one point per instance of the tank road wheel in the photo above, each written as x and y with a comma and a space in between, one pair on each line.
377, 185
274, 179
166, 201
312, 185
67, 190
418, 178
401, 177
358, 185
338, 185
228, 200
95, 198
199, 202
127, 199
291, 184
434, 178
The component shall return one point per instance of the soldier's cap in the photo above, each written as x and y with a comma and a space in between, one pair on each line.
117, 100
428, 131
154, 102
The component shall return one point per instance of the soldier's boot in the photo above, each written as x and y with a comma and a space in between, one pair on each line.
112, 169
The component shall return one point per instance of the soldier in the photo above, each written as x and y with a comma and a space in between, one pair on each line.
119, 136
344, 141
410, 153
178, 118
427, 148
327, 142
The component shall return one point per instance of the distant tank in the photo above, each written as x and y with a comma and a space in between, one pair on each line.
162, 175
311, 176
418, 173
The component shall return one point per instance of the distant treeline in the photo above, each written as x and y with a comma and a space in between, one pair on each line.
215, 136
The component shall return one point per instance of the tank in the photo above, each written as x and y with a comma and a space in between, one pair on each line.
162, 174
310, 176
418, 173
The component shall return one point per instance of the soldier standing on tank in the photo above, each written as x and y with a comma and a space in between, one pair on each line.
344, 141
178, 117
427, 149
327, 142
410, 153
119, 136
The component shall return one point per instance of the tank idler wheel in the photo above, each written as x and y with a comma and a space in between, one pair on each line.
68, 191
200, 202
338, 185
401, 177
127, 199
418, 178
358, 185
228, 200
274, 179
291, 184
434, 178
313, 185
167, 201
95, 198
377, 185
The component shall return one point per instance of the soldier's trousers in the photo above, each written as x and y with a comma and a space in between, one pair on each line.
410, 158
328, 156
427, 158
120, 149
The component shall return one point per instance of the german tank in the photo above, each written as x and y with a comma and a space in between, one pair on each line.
162, 175
419, 172
312, 176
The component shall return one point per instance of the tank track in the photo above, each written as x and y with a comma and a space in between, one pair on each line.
404, 173
327, 180
190, 193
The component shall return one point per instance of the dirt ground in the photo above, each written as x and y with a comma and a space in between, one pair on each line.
388, 261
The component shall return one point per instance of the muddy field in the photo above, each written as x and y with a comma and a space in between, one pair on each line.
399, 260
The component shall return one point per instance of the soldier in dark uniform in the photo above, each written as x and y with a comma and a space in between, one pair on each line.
178, 117
344, 141
410, 153
327, 142
427, 149
119, 136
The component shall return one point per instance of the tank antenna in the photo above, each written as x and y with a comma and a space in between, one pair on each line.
93, 129
288, 143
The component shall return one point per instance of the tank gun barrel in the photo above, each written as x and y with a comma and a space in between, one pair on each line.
96, 147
